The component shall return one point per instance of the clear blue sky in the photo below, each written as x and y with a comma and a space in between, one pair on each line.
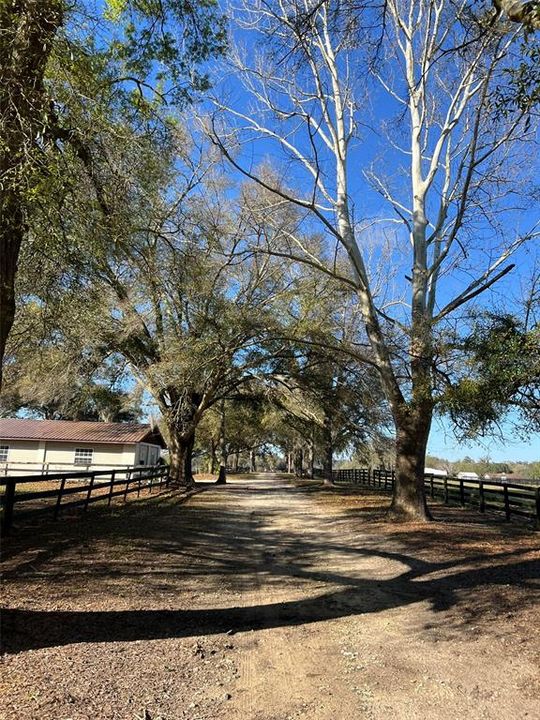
443, 443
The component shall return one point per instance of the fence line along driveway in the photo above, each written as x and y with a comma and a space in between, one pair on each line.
38, 496
511, 498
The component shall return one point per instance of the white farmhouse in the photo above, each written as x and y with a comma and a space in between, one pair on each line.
41, 446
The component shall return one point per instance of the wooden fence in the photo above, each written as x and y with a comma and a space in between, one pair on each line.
31, 496
15, 467
511, 498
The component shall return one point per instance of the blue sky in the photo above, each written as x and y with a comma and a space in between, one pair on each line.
443, 443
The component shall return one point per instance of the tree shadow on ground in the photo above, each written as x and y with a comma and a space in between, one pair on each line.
30, 629
165, 547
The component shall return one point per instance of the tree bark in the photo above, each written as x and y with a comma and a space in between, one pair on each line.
214, 458
412, 432
222, 475
28, 31
181, 453
298, 461
311, 458
252, 461
223, 455
328, 452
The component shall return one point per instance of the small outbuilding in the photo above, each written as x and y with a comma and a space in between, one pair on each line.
29, 446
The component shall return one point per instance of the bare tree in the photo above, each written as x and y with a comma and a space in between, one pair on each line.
307, 70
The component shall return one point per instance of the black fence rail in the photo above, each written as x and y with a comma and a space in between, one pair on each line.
31, 496
510, 498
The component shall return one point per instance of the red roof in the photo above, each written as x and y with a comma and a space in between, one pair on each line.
78, 431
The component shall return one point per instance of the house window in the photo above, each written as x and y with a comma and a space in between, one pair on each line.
84, 456
4, 450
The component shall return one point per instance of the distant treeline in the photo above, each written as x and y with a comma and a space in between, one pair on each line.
517, 469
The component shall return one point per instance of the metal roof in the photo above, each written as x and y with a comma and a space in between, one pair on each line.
78, 431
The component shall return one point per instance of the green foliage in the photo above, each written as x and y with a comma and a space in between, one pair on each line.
501, 372
53, 371
521, 92
165, 43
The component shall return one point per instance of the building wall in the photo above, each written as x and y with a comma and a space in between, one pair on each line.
29, 456
23, 450
104, 454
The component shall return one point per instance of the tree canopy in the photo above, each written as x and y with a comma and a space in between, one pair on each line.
281, 229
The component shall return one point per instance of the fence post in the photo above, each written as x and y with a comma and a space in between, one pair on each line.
151, 481
139, 485
461, 492
446, 490
90, 486
432, 490
128, 478
9, 502
506, 502
538, 506
111, 487
59, 498
482, 497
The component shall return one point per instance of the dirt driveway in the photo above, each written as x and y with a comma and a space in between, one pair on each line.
261, 600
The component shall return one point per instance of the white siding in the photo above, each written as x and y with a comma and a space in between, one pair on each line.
104, 454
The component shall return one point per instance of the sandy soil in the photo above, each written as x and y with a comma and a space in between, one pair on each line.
262, 600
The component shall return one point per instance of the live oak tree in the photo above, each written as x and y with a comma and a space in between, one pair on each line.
153, 238
54, 367
430, 68
57, 378
332, 403
235, 430
149, 50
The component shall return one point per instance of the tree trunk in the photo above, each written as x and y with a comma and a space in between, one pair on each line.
223, 455
328, 452
252, 461
289, 462
311, 458
10, 243
298, 461
180, 453
28, 31
409, 497
213, 457
236, 461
